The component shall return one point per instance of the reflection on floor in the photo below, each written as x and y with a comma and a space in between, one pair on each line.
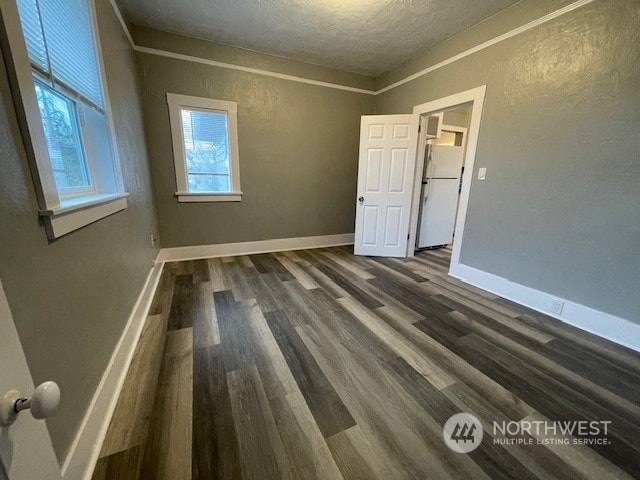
320, 364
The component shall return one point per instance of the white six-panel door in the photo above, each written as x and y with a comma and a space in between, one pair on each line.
388, 146
25, 447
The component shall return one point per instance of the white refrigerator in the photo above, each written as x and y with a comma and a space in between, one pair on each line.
439, 195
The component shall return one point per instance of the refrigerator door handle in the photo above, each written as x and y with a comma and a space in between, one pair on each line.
426, 190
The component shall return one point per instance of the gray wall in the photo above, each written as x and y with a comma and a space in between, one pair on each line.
71, 298
560, 209
298, 144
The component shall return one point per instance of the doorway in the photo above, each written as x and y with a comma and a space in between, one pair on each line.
464, 104
390, 171
441, 184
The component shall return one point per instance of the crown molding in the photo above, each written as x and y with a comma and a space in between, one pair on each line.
500, 38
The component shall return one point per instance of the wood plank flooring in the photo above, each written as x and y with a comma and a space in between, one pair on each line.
122, 451
320, 364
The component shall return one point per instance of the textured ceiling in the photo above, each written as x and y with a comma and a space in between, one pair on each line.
362, 36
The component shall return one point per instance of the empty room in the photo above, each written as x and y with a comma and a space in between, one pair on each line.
332, 239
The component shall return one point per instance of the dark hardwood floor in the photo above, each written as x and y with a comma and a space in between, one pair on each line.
320, 364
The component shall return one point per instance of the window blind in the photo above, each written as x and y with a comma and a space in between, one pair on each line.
206, 146
32, 29
60, 43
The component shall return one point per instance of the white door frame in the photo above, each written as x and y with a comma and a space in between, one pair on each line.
476, 97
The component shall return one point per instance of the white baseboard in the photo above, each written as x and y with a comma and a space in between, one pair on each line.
83, 455
249, 248
612, 328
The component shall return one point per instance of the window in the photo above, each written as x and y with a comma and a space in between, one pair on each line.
64, 114
205, 149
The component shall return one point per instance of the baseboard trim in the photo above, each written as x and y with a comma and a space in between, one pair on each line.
83, 455
249, 248
604, 325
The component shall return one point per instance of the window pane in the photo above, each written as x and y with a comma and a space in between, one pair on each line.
206, 147
62, 132
209, 183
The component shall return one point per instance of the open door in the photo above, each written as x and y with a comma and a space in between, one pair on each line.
386, 172
25, 447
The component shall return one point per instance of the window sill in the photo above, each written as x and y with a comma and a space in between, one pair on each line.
190, 197
75, 213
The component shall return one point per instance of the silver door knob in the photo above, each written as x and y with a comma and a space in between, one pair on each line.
361, 199
43, 403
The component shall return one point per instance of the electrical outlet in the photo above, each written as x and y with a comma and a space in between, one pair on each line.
153, 240
556, 306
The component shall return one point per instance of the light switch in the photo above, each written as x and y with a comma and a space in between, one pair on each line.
482, 173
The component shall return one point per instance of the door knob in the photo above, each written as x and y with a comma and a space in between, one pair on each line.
361, 199
43, 403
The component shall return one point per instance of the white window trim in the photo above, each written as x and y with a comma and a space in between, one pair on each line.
61, 214
175, 102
